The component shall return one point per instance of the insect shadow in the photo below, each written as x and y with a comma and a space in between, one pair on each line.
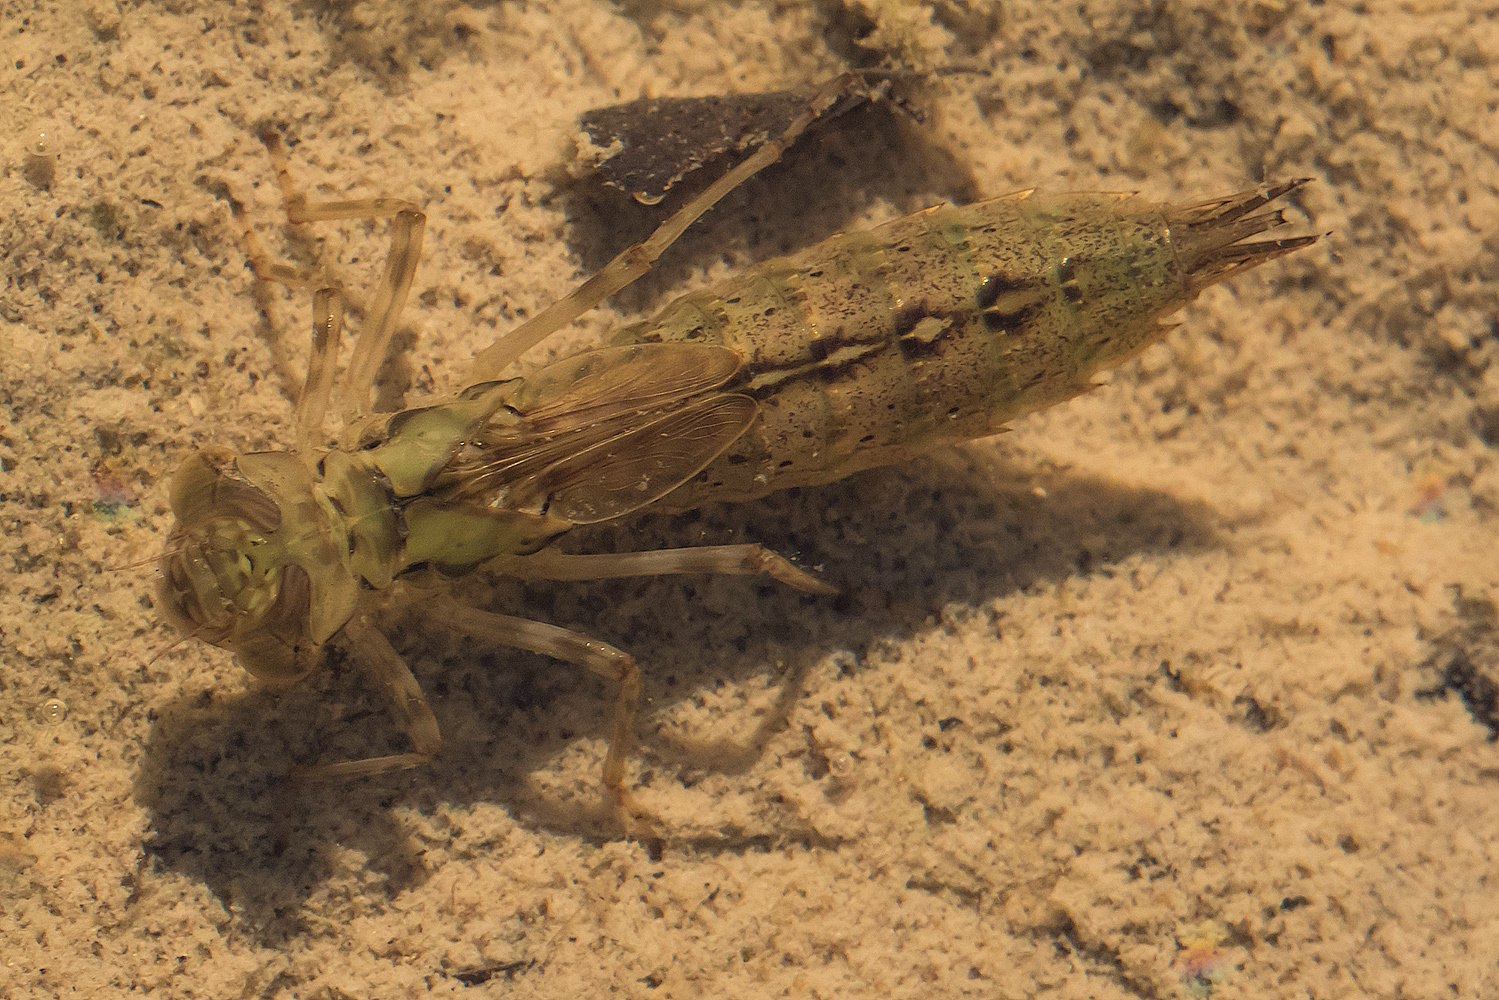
822, 185
960, 528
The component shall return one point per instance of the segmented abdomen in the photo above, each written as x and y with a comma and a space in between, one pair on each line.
873, 347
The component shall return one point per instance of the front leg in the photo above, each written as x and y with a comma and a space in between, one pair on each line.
374, 653
378, 657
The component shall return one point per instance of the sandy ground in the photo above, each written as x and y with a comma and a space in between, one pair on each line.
1183, 689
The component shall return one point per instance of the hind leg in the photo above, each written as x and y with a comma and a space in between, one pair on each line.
578, 649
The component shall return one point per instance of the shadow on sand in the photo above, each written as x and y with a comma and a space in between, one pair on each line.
962, 528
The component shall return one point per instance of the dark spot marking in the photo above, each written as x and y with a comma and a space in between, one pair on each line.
988, 292
1001, 321
1067, 276
905, 322
996, 285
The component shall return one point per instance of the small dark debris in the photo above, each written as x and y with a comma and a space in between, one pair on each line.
1173, 677
107, 220
474, 977
1469, 661
1260, 718
1479, 693
48, 785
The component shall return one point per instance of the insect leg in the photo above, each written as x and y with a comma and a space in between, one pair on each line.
327, 322
576, 648
312, 405
300, 210
375, 654
380, 316
730, 560
261, 264
634, 261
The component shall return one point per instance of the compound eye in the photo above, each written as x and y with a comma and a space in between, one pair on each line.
209, 486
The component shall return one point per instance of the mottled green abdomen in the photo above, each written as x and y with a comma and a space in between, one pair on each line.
873, 347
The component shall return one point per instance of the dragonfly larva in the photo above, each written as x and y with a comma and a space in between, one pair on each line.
866, 349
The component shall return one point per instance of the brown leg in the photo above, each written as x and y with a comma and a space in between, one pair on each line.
300, 210
374, 653
380, 317
730, 560
267, 271
260, 262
